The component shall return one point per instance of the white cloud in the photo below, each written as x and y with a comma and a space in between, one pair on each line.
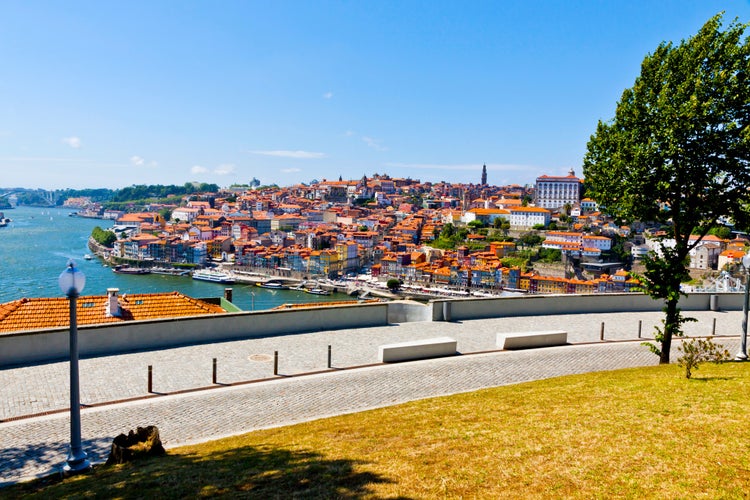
349, 133
74, 142
328, 95
138, 161
225, 169
197, 169
304, 155
290, 170
374, 143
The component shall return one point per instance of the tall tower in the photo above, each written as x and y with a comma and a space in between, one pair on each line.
484, 175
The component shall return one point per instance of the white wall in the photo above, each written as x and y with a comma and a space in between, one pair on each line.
529, 305
52, 344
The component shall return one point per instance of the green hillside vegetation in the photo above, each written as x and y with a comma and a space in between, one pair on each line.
638, 433
103, 237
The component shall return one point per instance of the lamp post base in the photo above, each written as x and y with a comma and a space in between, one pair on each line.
76, 464
741, 356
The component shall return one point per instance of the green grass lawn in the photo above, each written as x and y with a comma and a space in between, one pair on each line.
636, 433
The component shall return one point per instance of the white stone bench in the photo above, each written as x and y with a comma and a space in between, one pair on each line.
417, 349
524, 340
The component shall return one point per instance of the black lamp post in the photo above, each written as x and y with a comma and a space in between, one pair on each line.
71, 283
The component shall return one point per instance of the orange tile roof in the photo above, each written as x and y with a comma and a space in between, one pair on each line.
36, 313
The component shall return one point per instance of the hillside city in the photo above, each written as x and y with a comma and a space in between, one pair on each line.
541, 238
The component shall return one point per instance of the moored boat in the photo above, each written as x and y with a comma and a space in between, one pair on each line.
212, 276
170, 271
273, 285
317, 291
123, 269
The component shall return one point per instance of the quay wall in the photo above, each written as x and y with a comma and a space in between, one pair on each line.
39, 346
531, 305
98, 340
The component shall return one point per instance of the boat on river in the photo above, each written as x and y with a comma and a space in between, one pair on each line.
212, 276
273, 285
170, 271
123, 269
317, 291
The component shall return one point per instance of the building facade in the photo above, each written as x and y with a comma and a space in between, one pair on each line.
555, 192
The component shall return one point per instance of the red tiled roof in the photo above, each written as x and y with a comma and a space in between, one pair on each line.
36, 313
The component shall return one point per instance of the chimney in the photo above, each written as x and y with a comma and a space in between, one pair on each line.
113, 304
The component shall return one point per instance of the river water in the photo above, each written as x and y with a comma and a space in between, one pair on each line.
38, 242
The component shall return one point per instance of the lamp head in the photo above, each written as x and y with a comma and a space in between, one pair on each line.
71, 280
746, 261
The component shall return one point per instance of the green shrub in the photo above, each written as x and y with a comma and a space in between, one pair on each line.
699, 350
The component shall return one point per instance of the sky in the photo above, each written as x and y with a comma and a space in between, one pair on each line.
113, 94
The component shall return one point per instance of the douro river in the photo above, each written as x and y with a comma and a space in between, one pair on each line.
38, 242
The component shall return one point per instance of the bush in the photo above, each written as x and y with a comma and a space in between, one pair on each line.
700, 350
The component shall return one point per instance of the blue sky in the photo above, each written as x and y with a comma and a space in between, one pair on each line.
111, 94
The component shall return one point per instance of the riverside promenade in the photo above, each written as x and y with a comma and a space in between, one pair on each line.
188, 407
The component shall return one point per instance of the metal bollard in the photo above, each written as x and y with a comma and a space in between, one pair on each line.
213, 378
150, 379
329, 356
639, 328
275, 362
601, 333
713, 329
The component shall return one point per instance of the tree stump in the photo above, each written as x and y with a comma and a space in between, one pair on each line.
144, 442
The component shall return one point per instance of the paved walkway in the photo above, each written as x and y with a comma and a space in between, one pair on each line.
34, 433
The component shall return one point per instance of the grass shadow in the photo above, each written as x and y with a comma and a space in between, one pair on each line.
44, 458
244, 472
710, 379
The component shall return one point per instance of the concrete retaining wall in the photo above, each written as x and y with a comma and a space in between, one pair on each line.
408, 311
52, 344
531, 305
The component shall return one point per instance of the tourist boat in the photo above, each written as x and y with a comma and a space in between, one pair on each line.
88, 256
123, 269
212, 276
273, 285
170, 271
317, 291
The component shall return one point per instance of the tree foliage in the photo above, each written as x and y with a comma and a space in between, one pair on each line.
530, 239
144, 192
677, 152
550, 255
103, 237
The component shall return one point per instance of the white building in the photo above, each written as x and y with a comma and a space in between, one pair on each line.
638, 252
528, 217
601, 242
555, 192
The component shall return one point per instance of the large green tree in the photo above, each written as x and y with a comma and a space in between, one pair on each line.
677, 152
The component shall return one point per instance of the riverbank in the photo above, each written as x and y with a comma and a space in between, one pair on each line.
362, 286
40, 241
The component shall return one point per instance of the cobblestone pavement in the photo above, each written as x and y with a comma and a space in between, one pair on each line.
33, 444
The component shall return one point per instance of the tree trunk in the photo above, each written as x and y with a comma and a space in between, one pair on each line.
671, 323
